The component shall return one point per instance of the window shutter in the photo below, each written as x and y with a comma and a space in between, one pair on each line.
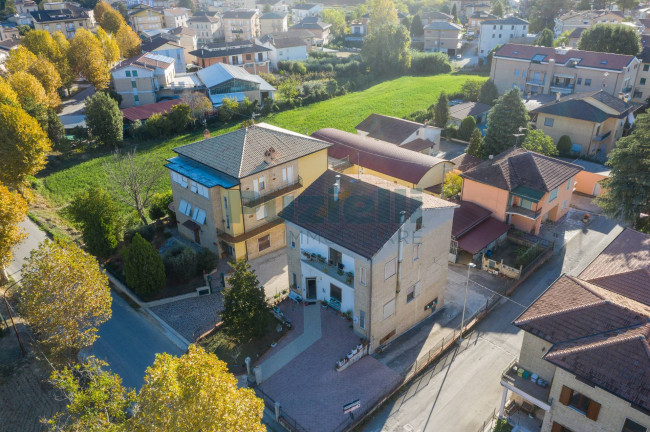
556, 427
592, 410
565, 395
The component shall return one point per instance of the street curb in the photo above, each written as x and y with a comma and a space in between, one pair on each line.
172, 334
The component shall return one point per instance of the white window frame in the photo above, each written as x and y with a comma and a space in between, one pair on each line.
184, 207
292, 240
362, 319
362, 276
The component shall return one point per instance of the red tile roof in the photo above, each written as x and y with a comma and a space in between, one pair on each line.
143, 112
590, 59
465, 162
467, 216
482, 235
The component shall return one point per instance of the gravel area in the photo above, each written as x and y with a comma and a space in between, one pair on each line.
192, 317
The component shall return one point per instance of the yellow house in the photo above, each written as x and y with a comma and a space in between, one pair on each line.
229, 189
143, 17
64, 17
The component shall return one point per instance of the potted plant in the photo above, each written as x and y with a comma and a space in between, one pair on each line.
307, 255
323, 303
325, 270
341, 362
340, 272
321, 259
349, 277
348, 315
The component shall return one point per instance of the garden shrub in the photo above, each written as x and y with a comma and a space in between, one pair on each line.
206, 260
180, 263
143, 267
564, 145
160, 205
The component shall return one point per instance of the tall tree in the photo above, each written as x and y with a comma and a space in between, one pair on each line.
498, 9
417, 29
336, 17
128, 41
23, 146
245, 314
489, 93
627, 190
176, 388
100, 8
28, 89
109, 45
13, 209
143, 267
382, 14
539, 142
612, 38
475, 147
99, 218
135, 180
23, 60
441, 111
454, 12
624, 5
542, 13
86, 56
65, 298
7, 94
545, 38
507, 118
200, 105
63, 63
387, 52
467, 127
452, 185
112, 21
104, 119
471, 89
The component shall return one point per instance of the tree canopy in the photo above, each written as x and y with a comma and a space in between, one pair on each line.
417, 29
452, 185
612, 38
467, 127
87, 58
539, 142
489, 93
441, 111
99, 218
143, 267
507, 118
387, 52
13, 209
105, 119
545, 38
336, 17
245, 312
382, 14
475, 147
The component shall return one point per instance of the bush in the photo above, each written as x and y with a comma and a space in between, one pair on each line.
206, 260
466, 128
450, 131
160, 205
429, 63
157, 125
147, 232
180, 263
564, 145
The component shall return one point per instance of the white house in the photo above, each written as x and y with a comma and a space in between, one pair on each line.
499, 32
284, 46
175, 17
304, 10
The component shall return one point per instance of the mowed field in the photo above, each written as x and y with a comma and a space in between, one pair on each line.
398, 98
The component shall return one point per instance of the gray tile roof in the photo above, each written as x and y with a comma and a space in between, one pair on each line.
386, 128
579, 107
242, 152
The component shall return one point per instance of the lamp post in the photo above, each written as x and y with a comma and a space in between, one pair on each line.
462, 320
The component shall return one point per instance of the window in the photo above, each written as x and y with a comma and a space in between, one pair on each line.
646, 67
184, 207
292, 240
390, 268
133, 84
632, 426
128, 73
260, 57
286, 200
579, 81
418, 224
362, 319
389, 309
559, 428
516, 72
260, 212
362, 275
262, 185
263, 243
416, 252
588, 82
642, 81
548, 121
410, 294
576, 148
181, 180
135, 74
553, 195
499, 35
579, 402
202, 190
225, 211
199, 216
564, 205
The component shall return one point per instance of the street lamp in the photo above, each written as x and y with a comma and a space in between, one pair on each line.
462, 320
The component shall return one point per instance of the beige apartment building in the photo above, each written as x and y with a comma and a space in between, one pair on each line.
588, 340
143, 17
139, 78
384, 262
442, 36
542, 70
274, 22
207, 27
642, 86
585, 19
229, 189
64, 17
241, 25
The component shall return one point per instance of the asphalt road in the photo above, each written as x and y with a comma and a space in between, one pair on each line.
128, 342
463, 389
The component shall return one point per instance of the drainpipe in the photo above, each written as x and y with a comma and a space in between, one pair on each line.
400, 251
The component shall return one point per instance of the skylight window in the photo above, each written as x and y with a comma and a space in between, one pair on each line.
515, 52
539, 57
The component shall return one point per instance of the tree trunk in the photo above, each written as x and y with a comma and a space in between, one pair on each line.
142, 215
3, 276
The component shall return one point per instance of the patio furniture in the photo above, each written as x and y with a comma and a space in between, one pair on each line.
295, 297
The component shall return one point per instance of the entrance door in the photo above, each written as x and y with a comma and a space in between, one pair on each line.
311, 288
197, 238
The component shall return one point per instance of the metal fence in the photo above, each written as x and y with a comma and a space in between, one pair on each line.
489, 423
285, 420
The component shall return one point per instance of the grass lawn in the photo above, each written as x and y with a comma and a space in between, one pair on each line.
63, 179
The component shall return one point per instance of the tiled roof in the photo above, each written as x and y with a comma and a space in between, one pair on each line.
155, 42
380, 156
224, 49
183, 30
592, 59
482, 235
239, 14
467, 216
392, 129
203, 17
624, 266
363, 219
273, 15
176, 11
301, 33
442, 25
511, 20
147, 61
304, 6
578, 106
483, 15
418, 145
71, 12
312, 23
597, 334
242, 152
467, 109
431, 15
466, 162
518, 167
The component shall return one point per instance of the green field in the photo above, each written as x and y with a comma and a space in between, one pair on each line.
398, 98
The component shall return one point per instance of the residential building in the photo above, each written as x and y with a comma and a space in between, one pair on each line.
229, 189
21, 19
163, 46
139, 78
594, 121
387, 266
408, 134
25, 6
241, 25
475, 20
274, 22
475, 232
207, 26
470, 8
271, 5
356, 154
8, 33
478, 110
223, 80
588, 339
574, 37
443, 36
67, 19
642, 83
246, 54
435, 16
175, 17
317, 27
496, 32
301, 11
143, 17
185, 37
542, 70
357, 31
522, 188
285, 46
585, 19
590, 179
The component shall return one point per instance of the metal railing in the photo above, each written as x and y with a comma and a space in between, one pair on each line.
251, 199
522, 211
285, 420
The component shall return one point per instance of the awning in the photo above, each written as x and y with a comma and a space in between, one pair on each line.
527, 193
191, 225
481, 236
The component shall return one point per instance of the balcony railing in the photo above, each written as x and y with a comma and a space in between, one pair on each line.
627, 89
562, 86
535, 82
521, 211
602, 136
334, 271
250, 199
519, 381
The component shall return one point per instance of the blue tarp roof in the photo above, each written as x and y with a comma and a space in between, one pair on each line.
201, 174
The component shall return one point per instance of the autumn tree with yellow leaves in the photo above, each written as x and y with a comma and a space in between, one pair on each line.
128, 41
13, 209
28, 89
87, 58
23, 60
65, 297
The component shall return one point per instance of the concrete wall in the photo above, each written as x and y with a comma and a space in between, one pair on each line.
273, 25
533, 348
498, 34
490, 197
441, 41
587, 183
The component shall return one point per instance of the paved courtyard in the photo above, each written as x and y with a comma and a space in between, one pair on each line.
566, 228
308, 387
193, 316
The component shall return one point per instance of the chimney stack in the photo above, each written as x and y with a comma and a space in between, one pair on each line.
337, 187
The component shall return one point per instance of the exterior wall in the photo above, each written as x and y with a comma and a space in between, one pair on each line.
205, 31
584, 21
298, 14
498, 34
612, 415
445, 41
587, 183
508, 73
292, 53
173, 21
642, 84
490, 197
276, 237
582, 132
250, 28
435, 175
251, 61
273, 25
178, 54
533, 349
67, 27
147, 20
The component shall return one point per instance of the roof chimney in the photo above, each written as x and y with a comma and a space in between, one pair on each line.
337, 187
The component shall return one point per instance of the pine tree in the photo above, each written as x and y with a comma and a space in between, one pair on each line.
467, 128
245, 312
489, 93
475, 147
105, 119
506, 118
441, 111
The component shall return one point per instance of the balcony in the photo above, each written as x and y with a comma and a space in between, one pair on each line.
601, 137
519, 381
562, 87
627, 89
521, 211
253, 201
321, 264
539, 83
